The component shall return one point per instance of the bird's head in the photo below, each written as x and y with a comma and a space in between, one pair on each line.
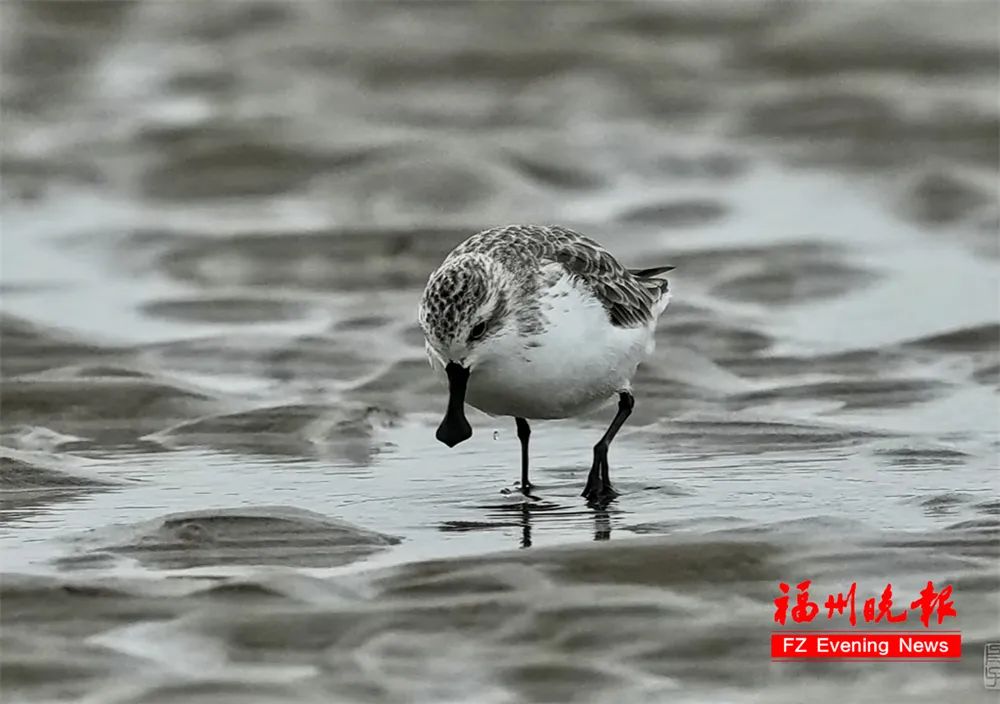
463, 315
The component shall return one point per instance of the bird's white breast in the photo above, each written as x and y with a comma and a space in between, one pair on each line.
573, 365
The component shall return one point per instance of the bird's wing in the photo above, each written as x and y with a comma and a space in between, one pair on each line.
628, 302
630, 298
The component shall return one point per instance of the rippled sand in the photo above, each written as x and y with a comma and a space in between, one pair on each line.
218, 476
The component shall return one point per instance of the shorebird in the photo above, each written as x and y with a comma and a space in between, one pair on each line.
539, 322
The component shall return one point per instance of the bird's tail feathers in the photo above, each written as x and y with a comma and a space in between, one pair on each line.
650, 273
650, 279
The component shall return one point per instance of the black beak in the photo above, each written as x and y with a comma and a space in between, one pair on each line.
455, 428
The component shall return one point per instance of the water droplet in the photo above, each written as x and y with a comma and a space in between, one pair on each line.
496, 434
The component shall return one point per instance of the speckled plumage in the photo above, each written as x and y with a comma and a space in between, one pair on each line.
451, 295
522, 250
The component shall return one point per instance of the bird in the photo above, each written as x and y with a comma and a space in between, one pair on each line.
539, 322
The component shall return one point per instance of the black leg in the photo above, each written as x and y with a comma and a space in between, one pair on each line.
599, 490
523, 433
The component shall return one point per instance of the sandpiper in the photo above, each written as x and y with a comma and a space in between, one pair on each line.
539, 322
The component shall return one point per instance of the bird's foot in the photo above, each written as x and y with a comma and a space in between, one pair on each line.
598, 493
525, 489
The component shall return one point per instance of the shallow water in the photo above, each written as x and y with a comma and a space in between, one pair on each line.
220, 481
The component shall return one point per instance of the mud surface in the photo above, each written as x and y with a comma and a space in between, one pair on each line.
219, 477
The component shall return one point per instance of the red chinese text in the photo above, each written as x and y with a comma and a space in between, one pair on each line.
874, 610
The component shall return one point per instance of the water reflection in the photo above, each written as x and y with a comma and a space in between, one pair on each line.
602, 524
525, 526
526, 516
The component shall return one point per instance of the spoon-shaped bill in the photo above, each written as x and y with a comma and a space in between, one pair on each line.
455, 427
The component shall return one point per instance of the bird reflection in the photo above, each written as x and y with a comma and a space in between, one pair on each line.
602, 522
525, 525
521, 515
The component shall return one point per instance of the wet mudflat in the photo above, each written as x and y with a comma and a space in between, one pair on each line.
219, 478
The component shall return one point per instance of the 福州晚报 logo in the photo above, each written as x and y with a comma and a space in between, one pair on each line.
931, 606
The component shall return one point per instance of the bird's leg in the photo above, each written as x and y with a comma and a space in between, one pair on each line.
599, 490
523, 433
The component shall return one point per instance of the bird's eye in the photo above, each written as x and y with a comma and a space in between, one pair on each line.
478, 331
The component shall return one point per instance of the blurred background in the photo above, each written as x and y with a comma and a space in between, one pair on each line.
220, 481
